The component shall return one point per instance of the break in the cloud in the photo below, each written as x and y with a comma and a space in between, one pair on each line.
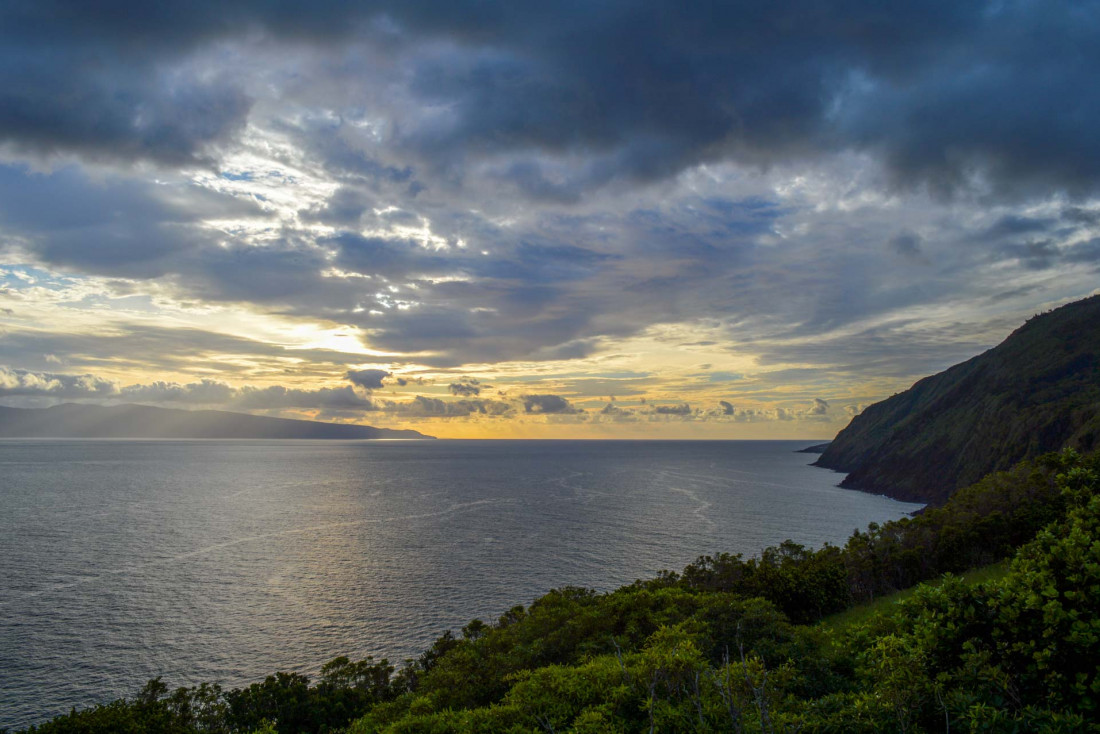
511, 211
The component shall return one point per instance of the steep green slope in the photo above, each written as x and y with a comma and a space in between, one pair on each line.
1037, 391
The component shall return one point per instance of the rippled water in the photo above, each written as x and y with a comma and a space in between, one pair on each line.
228, 560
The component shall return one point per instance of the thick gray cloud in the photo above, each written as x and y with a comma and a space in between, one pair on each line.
547, 404
907, 244
898, 348
643, 89
111, 225
466, 387
427, 407
369, 379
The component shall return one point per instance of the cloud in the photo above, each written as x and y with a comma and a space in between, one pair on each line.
369, 379
819, 407
547, 405
152, 347
493, 183
17, 383
643, 90
112, 225
466, 387
907, 244
427, 407
682, 410
278, 397
208, 392
113, 103
24, 383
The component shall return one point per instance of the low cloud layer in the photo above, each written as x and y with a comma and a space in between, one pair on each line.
355, 404
21, 383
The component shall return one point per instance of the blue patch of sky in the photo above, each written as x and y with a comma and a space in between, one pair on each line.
19, 277
724, 377
139, 302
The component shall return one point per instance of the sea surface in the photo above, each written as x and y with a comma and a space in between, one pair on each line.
228, 560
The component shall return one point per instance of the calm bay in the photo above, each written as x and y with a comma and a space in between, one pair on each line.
227, 560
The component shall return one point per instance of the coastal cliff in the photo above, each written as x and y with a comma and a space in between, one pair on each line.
1037, 391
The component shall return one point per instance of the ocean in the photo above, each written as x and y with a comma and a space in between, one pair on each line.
225, 561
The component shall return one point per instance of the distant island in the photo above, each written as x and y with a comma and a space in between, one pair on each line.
73, 420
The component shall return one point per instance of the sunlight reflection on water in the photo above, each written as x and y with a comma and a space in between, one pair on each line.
225, 561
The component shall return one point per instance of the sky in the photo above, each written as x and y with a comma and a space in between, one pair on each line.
593, 219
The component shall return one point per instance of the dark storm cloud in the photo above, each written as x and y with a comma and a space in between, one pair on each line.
643, 89
107, 103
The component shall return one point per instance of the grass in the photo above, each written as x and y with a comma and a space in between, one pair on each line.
885, 604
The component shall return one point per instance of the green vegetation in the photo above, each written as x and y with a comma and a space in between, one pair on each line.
733, 644
1037, 391
886, 605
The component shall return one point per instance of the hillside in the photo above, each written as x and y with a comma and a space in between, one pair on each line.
1037, 391
142, 421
